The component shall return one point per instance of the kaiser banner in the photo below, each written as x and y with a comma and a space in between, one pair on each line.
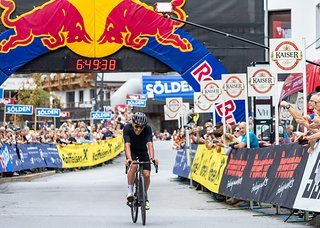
212, 90
174, 106
202, 104
234, 86
287, 56
261, 82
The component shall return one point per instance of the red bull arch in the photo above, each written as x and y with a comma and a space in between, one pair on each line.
101, 28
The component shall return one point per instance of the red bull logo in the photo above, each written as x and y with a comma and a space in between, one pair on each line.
136, 22
58, 22
93, 30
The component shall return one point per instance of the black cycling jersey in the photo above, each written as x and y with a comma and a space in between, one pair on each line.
138, 142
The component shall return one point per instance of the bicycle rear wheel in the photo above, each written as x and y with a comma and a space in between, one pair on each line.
135, 204
143, 198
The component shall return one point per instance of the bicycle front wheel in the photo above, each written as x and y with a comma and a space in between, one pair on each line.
135, 205
143, 198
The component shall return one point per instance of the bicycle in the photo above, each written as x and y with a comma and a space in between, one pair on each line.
140, 193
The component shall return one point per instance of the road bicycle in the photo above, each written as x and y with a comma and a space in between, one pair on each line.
139, 192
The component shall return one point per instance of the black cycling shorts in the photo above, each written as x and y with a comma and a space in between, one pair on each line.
143, 157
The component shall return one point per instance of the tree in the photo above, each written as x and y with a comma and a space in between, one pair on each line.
32, 93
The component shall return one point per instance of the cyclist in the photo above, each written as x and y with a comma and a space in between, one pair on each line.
137, 137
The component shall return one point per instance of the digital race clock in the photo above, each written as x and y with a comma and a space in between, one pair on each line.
88, 64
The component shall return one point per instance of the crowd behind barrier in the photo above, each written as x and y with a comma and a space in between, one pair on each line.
285, 175
19, 157
72, 145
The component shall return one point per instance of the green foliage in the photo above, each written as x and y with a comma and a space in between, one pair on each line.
36, 96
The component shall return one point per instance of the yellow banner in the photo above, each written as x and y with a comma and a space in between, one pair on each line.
208, 166
90, 154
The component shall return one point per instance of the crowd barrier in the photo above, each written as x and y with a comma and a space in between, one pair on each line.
17, 157
284, 175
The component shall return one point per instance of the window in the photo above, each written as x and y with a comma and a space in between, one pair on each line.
81, 96
91, 93
70, 99
280, 24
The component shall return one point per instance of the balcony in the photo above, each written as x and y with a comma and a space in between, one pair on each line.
64, 81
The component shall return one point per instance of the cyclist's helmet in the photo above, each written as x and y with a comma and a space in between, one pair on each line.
139, 118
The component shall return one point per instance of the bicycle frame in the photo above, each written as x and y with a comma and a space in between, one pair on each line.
140, 193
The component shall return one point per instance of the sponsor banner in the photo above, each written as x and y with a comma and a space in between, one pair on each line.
181, 167
206, 68
48, 112
51, 155
208, 166
308, 197
101, 115
19, 109
263, 111
15, 157
90, 154
174, 105
169, 115
30, 156
287, 56
261, 81
65, 114
231, 112
163, 87
234, 86
5, 159
212, 90
202, 104
270, 175
136, 103
137, 97
121, 108
7, 101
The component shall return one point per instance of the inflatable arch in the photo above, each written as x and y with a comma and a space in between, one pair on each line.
101, 29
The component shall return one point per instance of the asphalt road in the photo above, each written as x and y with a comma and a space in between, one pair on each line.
96, 198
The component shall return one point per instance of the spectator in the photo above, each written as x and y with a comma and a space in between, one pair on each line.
207, 129
237, 133
253, 139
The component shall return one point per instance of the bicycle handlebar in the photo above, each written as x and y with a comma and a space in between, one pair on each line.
140, 163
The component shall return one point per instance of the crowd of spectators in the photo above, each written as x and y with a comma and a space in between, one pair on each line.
70, 132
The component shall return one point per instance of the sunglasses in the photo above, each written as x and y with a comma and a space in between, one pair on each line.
237, 130
136, 126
